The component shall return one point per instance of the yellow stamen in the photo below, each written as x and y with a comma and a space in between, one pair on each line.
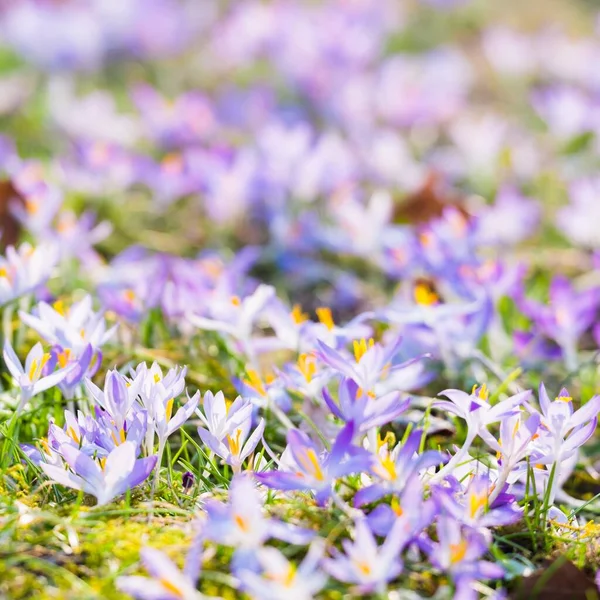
386, 469
307, 366
64, 357
458, 551
564, 399
73, 435
172, 164
476, 502
426, 238
297, 314
32, 370
241, 523
59, 307
129, 295
389, 439
234, 443
171, 588
310, 462
44, 443
102, 463
66, 223
255, 382
515, 429
424, 295
360, 347
395, 506
156, 377
482, 393
325, 317
32, 206
363, 567
169, 409
371, 394
36, 368
286, 580
4, 273
235, 300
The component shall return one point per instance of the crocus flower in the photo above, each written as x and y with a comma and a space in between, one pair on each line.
232, 440
577, 219
105, 478
562, 432
241, 522
478, 414
166, 581
220, 417
117, 398
371, 364
279, 578
25, 269
304, 467
365, 412
392, 470
97, 436
30, 379
569, 314
157, 394
473, 507
458, 552
239, 317
72, 328
513, 447
84, 365
365, 563
566, 429
409, 508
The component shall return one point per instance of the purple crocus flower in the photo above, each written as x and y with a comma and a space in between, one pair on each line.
238, 317
365, 563
371, 364
567, 429
478, 414
458, 552
25, 269
118, 397
166, 581
185, 120
408, 508
473, 507
32, 379
496, 226
567, 316
392, 470
567, 110
365, 412
241, 522
513, 447
227, 432
105, 478
279, 578
72, 328
577, 220
304, 467
562, 432
82, 366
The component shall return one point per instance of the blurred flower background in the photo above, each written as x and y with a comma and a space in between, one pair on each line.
245, 246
